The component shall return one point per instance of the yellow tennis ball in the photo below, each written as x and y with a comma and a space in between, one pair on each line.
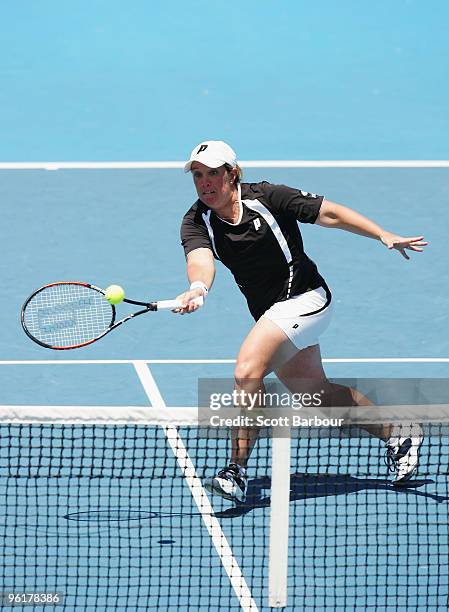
114, 294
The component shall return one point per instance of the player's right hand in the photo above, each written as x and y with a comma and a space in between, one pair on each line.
186, 298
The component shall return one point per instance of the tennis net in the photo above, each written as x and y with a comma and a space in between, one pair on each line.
110, 513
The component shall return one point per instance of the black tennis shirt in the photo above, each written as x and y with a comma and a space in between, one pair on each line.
264, 250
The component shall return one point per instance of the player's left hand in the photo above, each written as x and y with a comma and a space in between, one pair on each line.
392, 241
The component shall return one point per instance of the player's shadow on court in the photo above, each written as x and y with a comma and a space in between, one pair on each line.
308, 486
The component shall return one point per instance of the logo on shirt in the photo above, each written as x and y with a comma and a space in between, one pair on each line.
307, 194
257, 224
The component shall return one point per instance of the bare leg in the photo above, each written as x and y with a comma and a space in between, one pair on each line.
265, 347
307, 365
244, 438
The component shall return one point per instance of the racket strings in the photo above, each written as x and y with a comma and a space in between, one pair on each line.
67, 315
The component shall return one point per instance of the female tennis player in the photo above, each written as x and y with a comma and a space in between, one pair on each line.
253, 229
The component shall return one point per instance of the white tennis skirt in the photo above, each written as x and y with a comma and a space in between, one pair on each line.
303, 317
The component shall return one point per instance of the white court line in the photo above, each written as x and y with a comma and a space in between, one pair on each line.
198, 493
216, 361
286, 163
111, 361
390, 360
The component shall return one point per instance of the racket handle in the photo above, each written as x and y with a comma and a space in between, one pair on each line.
172, 304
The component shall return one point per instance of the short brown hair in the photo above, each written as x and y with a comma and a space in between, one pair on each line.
239, 171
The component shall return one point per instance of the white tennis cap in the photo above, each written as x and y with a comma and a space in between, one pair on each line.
212, 153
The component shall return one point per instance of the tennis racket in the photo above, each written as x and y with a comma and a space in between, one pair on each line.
69, 315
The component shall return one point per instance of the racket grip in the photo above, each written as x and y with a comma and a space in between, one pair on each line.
172, 304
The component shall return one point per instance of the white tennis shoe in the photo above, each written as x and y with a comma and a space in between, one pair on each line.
402, 452
230, 483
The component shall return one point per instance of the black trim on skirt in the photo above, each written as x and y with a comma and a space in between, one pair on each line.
328, 300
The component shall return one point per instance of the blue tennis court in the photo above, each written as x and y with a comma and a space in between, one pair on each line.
101, 463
